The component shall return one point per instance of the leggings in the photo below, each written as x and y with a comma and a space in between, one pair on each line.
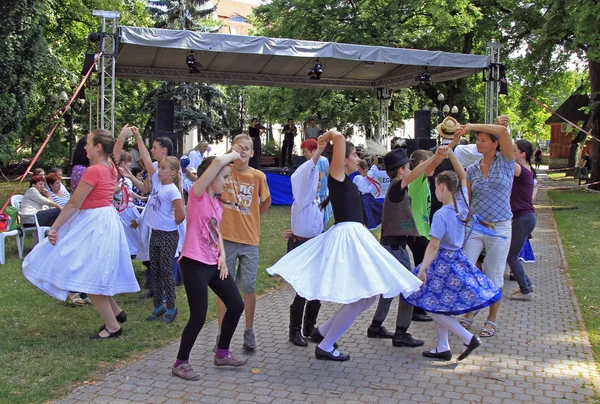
197, 278
163, 245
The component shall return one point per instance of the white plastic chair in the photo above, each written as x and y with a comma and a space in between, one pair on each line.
5, 234
39, 232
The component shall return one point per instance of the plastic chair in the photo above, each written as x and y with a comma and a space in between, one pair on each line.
5, 234
38, 231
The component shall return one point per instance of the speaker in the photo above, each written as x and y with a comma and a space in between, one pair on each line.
297, 161
172, 136
416, 144
422, 124
164, 115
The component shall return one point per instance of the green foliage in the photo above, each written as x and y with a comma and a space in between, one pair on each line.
193, 15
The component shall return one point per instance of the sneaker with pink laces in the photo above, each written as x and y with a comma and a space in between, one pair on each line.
230, 360
185, 371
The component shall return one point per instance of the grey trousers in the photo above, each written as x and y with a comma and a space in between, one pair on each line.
405, 310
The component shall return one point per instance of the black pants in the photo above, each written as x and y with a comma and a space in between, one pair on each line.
163, 245
197, 278
254, 161
286, 150
47, 217
417, 246
300, 308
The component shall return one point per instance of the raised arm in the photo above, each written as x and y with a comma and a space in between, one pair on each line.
214, 168
497, 130
125, 133
458, 168
421, 168
336, 169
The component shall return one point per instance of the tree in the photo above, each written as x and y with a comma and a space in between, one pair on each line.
22, 54
193, 15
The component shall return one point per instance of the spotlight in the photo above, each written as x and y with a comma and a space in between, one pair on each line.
424, 77
95, 37
316, 71
192, 64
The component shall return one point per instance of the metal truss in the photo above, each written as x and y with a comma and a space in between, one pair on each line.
109, 46
492, 84
251, 79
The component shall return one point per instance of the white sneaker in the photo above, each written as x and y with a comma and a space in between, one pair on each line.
517, 295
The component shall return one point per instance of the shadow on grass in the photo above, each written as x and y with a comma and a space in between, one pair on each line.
45, 347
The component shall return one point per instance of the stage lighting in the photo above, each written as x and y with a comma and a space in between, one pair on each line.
95, 37
192, 64
424, 77
316, 71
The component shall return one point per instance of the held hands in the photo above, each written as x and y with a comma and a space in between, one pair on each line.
222, 267
462, 129
422, 276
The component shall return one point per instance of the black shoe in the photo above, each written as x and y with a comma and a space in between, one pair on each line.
379, 332
324, 355
316, 336
445, 355
512, 277
115, 334
421, 317
473, 345
400, 340
121, 318
147, 295
296, 338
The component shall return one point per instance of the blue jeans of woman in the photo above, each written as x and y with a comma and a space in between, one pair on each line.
522, 227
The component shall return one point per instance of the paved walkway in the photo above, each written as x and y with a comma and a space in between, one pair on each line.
540, 354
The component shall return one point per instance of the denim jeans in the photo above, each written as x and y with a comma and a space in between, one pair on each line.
522, 226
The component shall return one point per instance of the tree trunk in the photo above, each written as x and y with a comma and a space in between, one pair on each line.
594, 68
575, 150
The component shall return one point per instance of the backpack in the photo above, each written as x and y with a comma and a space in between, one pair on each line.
4, 222
13, 213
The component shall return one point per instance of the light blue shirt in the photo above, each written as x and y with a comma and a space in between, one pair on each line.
491, 196
323, 167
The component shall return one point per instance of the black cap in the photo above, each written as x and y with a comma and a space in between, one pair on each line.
396, 158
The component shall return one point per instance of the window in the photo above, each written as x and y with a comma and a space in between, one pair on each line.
237, 18
232, 30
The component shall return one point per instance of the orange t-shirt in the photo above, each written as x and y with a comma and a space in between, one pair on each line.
248, 189
104, 181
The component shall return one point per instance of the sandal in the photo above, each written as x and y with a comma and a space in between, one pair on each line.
486, 332
76, 300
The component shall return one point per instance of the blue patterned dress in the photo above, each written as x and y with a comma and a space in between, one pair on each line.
453, 285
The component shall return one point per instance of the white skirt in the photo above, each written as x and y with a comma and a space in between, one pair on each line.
343, 265
91, 256
145, 232
127, 215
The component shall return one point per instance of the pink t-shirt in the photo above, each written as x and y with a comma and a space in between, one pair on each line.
202, 232
104, 181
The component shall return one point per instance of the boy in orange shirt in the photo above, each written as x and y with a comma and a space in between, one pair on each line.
248, 195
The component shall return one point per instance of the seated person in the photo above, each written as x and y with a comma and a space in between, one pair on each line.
36, 200
58, 191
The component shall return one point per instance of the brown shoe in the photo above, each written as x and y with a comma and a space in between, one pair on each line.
230, 360
185, 371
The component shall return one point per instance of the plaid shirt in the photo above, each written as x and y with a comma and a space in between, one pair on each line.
491, 195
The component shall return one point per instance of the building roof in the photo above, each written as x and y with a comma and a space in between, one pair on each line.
571, 110
229, 8
160, 54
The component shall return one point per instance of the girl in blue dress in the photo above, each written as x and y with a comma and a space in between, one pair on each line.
451, 283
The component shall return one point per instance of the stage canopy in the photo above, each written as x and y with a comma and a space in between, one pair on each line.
160, 54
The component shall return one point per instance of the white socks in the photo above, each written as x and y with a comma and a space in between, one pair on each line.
445, 323
338, 324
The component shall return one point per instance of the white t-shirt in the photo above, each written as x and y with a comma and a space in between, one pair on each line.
195, 159
160, 204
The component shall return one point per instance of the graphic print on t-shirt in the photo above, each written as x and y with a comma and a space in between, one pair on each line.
154, 201
241, 195
212, 235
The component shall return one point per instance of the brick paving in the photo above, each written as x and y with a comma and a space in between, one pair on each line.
541, 354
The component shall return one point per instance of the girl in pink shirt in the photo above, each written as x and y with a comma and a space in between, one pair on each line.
203, 264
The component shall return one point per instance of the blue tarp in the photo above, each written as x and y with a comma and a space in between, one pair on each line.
280, 186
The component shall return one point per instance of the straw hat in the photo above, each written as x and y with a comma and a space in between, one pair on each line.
447, 127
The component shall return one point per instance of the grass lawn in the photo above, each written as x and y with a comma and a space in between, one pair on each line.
580, 231
557, 175
45, 347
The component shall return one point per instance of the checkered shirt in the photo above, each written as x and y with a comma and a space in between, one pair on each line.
491, 195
